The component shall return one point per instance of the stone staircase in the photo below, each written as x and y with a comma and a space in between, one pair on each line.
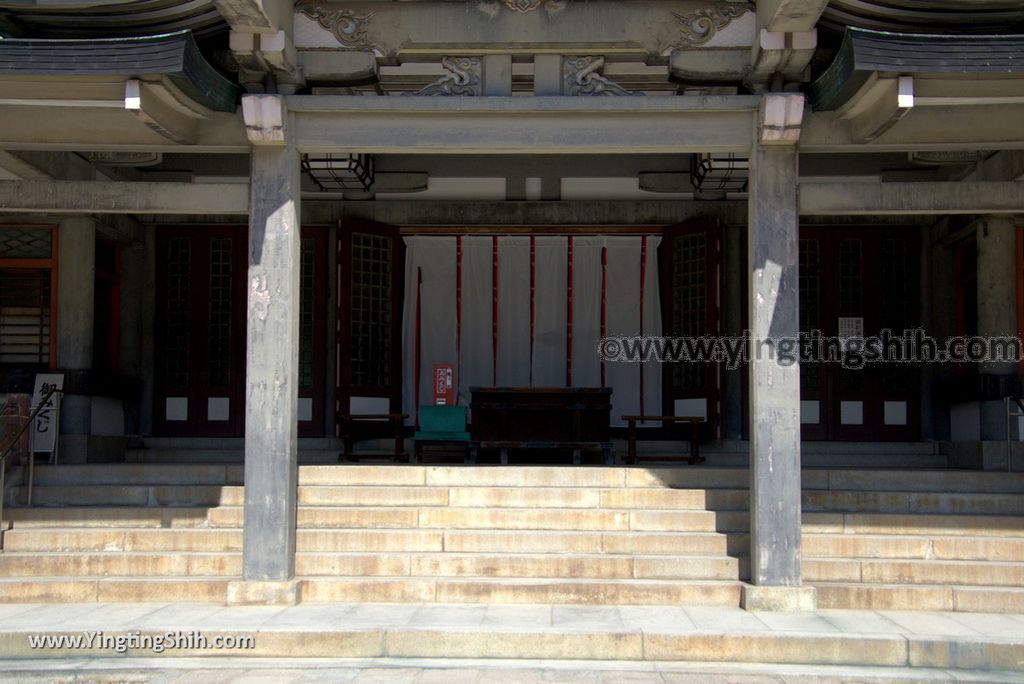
538, 535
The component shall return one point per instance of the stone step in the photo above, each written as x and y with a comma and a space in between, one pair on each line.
854, 501
669, 477
382, 540
381, 590
113, 589
938, 481
120, 564
169, 564
69, 518
851, 501
333, 495
627, 543
876, 571
136, 474
324, 517
937, 546
520, 590
577, 566
697, 644
925, 524
936, 597
120, 539
129, 495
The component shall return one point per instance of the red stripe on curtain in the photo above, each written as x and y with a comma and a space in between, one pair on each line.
494, 310
643, 284
533, 298
458, 315
568, 318
416, 349
604, 305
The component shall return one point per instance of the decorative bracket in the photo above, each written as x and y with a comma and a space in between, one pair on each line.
464, 77
700, 26
581, 76
350, 29
525, 6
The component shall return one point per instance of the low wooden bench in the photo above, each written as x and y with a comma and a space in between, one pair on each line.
577, 448
694, 422
381, 424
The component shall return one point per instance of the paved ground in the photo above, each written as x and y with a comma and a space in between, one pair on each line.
506, 644
237, 671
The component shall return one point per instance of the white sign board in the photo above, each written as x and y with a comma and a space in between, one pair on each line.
46, 428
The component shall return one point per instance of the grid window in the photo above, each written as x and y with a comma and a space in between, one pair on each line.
689, 302
372, 260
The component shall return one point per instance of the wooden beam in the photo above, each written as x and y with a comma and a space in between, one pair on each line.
96, 197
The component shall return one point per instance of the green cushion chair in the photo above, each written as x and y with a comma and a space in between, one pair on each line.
441, 426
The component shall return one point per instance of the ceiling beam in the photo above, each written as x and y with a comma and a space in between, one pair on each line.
903, 199
523, 125
101, 197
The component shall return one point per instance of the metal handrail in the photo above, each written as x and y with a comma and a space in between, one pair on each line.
1007, 400
9, 449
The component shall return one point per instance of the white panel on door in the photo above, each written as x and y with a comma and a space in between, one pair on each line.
691, 407
218, 408
851, 412
176, 408
363, 406
895, 412
810, 412
305, 409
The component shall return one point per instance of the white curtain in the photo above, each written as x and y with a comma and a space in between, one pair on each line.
476, 355
513, 312
550, 334
586, 310
436, 257
652, 328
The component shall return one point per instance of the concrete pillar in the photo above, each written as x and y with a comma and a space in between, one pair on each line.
773, 259
76, 284
272, 352
997, 317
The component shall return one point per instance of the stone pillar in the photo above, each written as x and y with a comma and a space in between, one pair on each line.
272, 352
997, 317
76, 284
774, 372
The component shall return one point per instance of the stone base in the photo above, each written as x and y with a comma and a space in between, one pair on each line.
779, 599
251, 593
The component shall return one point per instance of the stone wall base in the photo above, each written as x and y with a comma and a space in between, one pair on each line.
779, 599
250, 593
